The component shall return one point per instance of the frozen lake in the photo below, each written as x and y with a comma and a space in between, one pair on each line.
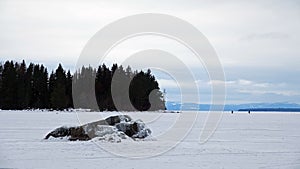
242, 140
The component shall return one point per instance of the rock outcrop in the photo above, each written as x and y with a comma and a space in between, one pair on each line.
120, 125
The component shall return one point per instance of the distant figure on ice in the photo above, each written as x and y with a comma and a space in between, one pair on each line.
231, 111
249, 111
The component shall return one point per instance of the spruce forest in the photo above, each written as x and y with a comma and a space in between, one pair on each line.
31, 87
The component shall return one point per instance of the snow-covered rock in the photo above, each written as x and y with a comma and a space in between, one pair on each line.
134, 129
112, 129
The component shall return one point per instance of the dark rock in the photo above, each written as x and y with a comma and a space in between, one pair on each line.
112, 120
78, 133
136, 129
74, 133
128, 128
59, 132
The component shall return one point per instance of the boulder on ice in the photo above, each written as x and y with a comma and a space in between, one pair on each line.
120, 125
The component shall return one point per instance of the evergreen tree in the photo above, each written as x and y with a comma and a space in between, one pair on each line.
36, 86
85, 88
142, 85
21, 86
8, 90
58, 96
69, 90
43, 88
1, 70
29, 101
51, 88
101, 88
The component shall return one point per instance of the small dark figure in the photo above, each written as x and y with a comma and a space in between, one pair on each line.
231, 111
249, 111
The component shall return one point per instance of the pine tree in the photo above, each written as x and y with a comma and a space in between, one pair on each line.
1, 71
142, 85
58, 95
51, 88
69, 90
8, 90
21, 86
29, 86
43, 88
40, 87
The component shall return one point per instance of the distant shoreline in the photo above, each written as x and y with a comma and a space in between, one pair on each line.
272, 109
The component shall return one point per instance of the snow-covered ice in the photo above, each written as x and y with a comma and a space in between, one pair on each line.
242, 140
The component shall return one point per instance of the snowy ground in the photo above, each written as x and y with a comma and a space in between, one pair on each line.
242, 140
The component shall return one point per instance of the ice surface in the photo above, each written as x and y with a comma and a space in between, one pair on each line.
256, 140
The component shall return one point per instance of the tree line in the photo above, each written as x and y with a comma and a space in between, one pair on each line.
31, 87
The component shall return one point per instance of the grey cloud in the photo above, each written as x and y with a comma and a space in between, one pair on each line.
256, 40
264, 36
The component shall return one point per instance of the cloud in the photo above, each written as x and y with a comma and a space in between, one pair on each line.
166, 83
266, 36
238, 91
258, 90
277, 92
256, 41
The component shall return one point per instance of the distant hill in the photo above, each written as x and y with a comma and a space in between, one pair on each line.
280, 106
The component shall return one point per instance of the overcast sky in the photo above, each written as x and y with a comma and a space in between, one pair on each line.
257, 42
